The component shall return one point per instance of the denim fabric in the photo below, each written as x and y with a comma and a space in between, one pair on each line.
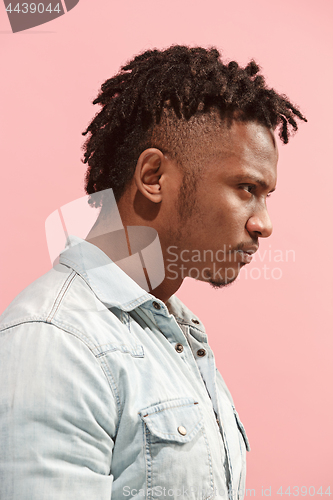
96, 401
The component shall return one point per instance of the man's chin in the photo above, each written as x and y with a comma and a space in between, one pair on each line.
221, 284
229, 276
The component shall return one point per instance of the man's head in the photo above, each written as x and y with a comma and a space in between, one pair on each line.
178, 134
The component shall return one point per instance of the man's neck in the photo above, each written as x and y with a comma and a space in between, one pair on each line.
117, 246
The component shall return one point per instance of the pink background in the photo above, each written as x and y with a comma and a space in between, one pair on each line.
272, 337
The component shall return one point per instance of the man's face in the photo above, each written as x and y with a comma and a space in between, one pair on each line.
216, 234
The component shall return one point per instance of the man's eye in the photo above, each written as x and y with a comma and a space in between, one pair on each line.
249, 188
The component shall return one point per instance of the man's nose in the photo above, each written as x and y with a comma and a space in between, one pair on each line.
260, 225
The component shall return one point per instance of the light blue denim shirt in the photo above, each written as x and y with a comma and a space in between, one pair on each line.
107, 392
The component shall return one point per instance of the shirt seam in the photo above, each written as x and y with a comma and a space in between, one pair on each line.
88, 344
60, 296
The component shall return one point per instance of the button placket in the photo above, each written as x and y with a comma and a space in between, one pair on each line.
165, 325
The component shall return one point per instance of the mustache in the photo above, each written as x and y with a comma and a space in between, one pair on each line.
246, 246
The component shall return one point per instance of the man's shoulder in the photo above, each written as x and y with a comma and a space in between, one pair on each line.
34, 303
61, 298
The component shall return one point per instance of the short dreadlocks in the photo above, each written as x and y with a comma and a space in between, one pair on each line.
158, 97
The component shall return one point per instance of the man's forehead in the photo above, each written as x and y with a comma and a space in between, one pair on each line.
246, 132
243, 152
242, 139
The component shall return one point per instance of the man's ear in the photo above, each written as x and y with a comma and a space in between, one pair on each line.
148, 172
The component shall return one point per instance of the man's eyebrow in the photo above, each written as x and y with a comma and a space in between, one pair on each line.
249, 177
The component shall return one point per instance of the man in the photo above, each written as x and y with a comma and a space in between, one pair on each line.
109, 387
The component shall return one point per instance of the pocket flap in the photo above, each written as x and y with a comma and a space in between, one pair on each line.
178, 420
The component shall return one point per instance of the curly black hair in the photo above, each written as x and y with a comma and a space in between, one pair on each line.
160, 96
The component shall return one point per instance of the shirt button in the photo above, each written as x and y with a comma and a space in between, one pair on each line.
195, 321
201, 352
156, 305
182, 430
179, 348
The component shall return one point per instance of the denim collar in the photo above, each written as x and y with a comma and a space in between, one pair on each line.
109, 283
113, 286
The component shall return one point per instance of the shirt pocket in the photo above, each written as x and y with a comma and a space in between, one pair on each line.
178, 459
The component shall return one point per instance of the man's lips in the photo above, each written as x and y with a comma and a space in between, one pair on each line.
245, 257
246, 254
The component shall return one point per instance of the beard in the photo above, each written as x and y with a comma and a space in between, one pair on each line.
222, 282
